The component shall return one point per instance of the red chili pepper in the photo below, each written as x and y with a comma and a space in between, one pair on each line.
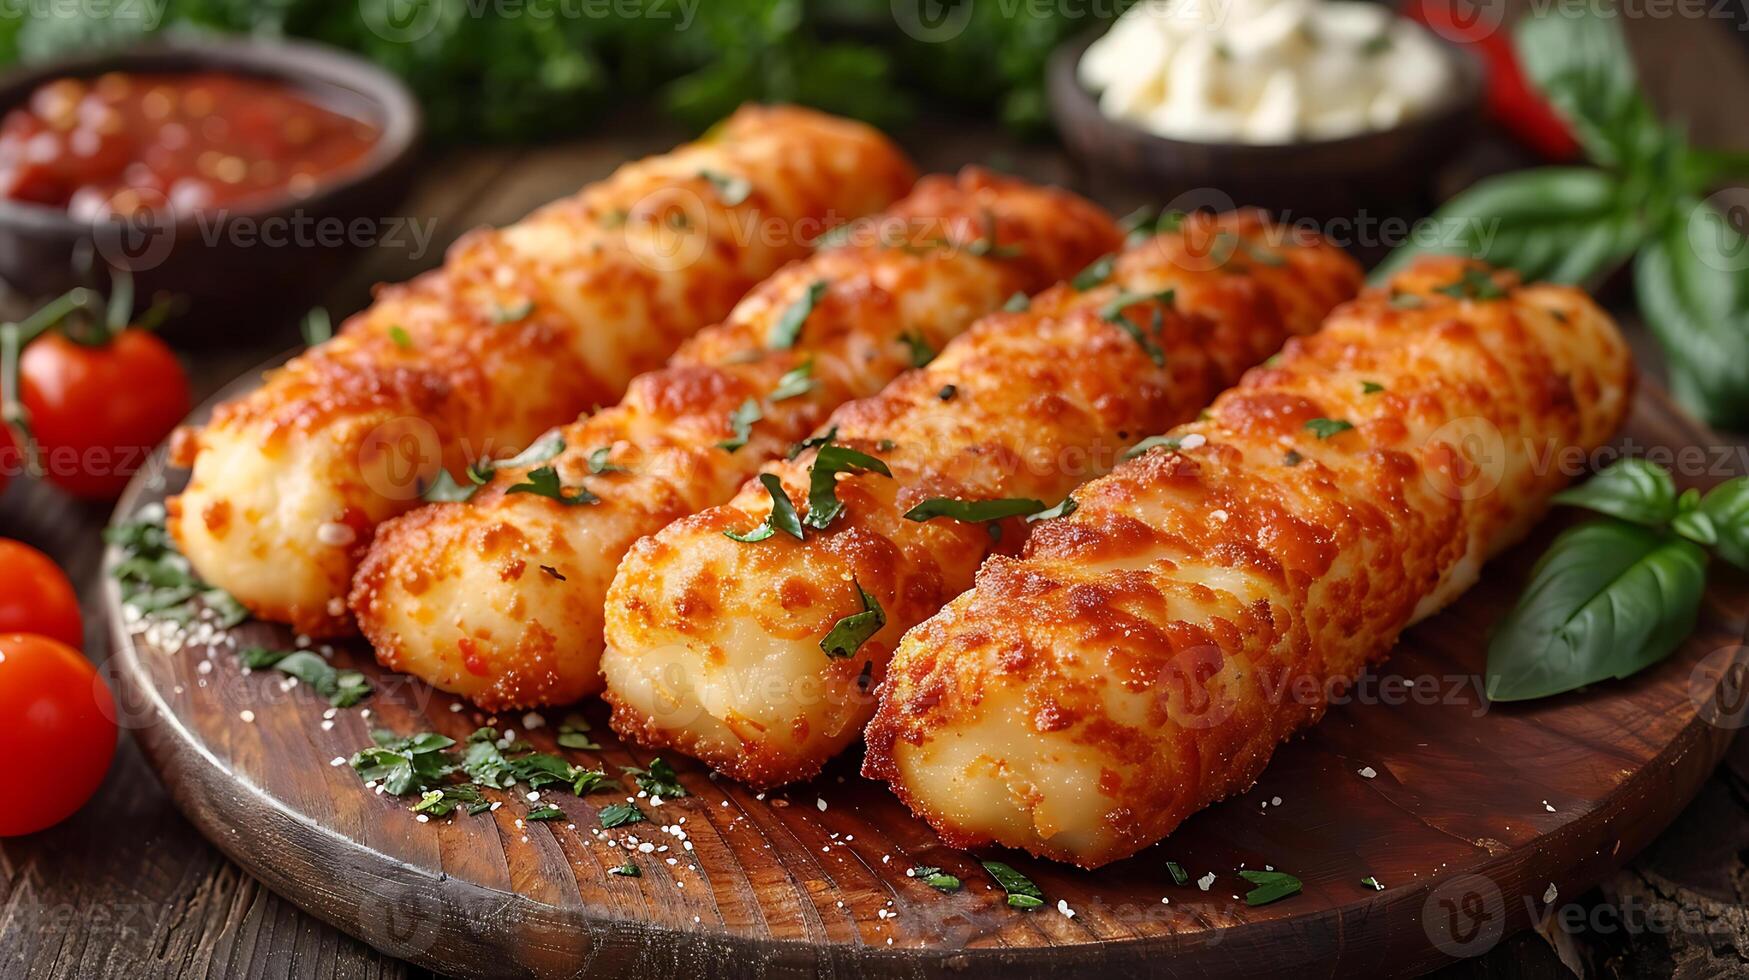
1512, 101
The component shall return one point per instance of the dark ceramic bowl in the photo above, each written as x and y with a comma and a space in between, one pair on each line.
237, 268
1323, 179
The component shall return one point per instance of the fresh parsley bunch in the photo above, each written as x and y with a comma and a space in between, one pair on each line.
1612, 597
1643, 198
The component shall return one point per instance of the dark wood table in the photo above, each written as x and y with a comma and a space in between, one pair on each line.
128, 888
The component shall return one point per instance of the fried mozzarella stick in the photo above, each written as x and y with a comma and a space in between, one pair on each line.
500, 598
757, 656
1148, 652
523, 328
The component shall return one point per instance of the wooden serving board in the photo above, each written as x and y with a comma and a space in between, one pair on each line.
1476, 818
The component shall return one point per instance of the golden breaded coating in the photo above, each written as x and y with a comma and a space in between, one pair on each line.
523, 328
1148, 652
718, 648
500, 598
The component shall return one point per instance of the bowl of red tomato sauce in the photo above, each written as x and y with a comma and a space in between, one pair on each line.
238, 176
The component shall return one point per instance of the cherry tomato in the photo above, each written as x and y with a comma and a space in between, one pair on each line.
98, 411
35, 596
59, 734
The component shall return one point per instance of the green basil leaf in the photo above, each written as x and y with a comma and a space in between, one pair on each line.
1696, 527
539, 451
1556, 224
1581, 63
1113, 312
813, 442
783, 515
1022, 893
731, 190
544, 482
936, 879
1694, 294
850, 633
598, 462
1018, 303
829, 461
741, 423
1325, 428
974, 511
401, 337
1727, 506
1608, 599
921, 352
317, 328
1096, 272
1152, 442
1631, 489
797, 381
1272, 886
513, 313
626, 871
1473, 284
788, 328
659, 779
1064, 508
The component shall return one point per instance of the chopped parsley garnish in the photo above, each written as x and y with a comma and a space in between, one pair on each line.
987, 246
402, 765
513, 313
619, 814
799, 380
1376, 45
445, 489
948, 392
921, 352
316, 327
402, 339
1064, 508
544, 482
627, 870
539, 451
1293, 458
829, 461
730, 190
1113, 312
1018, 303
1095, 273
659, 779
813, 441
1179, 875
741, 423
1022, 893
788, 328
1473, 284
1370, 882
546, 811
936, 879
974, 511
342, 688
1405, 301
1325, 428
486, 764
441, 802
1272, 886
156, 581
1144, 223
783, 515
1152, 442
850, 633
574, 733
1371, 387
553, 573
598, 463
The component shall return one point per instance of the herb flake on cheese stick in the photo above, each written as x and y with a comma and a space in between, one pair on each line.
451, 593
756, 652
523, 328
1146, 654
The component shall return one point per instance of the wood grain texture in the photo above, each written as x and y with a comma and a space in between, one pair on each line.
1485, 807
